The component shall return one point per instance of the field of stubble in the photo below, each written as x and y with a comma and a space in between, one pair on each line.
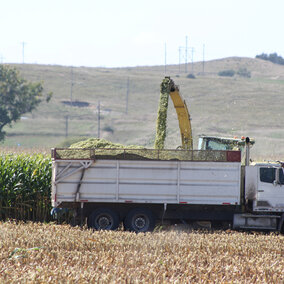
40, 253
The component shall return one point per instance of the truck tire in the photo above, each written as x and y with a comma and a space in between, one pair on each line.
139, 220
103, 219
281, 224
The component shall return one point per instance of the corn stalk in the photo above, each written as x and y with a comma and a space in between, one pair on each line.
25, 185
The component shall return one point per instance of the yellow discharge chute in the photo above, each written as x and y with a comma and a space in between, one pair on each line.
168, 88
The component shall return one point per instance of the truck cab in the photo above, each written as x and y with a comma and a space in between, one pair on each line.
264, 186
264, 196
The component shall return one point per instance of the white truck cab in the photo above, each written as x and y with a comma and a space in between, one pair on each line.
264, 185
264, 191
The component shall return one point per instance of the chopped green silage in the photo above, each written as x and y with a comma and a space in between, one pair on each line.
100, 148
138, 154
97, 149
161, 126
94, 143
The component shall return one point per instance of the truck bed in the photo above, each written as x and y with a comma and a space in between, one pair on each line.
142, 181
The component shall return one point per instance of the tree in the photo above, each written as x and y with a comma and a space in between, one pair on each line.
17, 96
273, 57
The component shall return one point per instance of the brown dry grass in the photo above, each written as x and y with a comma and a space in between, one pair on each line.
73, 255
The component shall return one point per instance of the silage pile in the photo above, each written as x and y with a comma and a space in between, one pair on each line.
161, 126
94, 143
94, 148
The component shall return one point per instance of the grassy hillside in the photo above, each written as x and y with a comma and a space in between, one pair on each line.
218, 105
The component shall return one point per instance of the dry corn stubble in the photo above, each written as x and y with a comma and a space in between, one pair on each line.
68, 254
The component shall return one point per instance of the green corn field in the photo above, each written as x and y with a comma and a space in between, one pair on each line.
25, 185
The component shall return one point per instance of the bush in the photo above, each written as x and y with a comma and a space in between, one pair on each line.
108, 129
190, 76
227, 73
243, 72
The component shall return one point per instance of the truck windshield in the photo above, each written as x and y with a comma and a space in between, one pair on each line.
267, 175
214, 145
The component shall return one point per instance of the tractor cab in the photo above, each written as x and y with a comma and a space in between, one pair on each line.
222, 143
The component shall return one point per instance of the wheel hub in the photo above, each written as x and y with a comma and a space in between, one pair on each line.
104, 222
140, 222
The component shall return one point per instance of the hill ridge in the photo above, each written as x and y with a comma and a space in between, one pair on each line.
218, 105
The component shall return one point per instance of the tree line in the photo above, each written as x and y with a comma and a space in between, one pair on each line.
272, 57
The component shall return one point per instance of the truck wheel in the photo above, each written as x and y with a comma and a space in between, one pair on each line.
282, 229
104, 219
139, 220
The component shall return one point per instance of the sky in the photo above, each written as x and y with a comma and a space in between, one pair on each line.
121, 33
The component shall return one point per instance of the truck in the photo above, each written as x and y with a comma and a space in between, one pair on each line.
143, 187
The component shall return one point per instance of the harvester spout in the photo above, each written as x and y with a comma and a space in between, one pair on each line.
168, 88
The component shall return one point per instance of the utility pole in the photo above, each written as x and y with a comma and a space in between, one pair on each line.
165, 58
23, 51
185, 55
71, 87
127, 95
179, 58
203, 62
99, 119
192, 51
66, 126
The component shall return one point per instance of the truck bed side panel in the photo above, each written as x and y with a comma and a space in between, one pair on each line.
214, 183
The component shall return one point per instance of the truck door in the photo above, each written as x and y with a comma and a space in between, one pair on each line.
270, 190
